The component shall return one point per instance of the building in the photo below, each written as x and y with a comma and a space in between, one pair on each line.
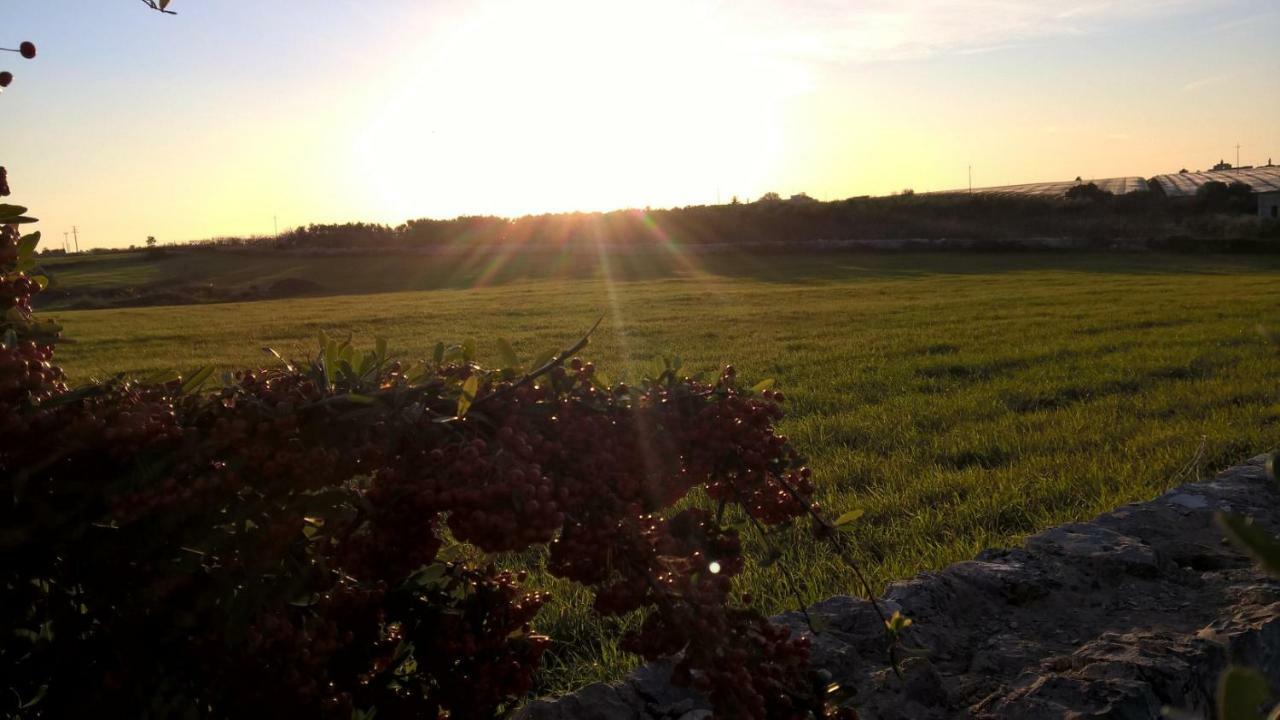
1222, 165
1269, 204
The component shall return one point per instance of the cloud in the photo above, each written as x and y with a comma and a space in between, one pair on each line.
1201, 83
876, 30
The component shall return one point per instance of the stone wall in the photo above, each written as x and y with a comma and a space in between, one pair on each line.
1119, 617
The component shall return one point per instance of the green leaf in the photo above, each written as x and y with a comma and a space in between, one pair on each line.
35, 699
543, 358
367, 362
40, 280
762, 385
1241, 691
380, 349
9, 211
840, 695
272, 351
19, 220
439, 353
27, 250
849, 517
361, 399
469, 350
897, 622
348, 372
429, 576
507, 354
601, 379
160, 377
197, 379
1255, 541
417, 373
468, 396
330, 362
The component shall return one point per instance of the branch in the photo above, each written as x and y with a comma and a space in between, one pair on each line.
833, 537
159, 6
535, 374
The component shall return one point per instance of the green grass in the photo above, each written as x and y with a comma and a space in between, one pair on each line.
963, 400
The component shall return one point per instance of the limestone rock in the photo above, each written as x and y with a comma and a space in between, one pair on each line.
1115, 618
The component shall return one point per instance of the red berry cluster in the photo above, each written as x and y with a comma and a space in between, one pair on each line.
275, 545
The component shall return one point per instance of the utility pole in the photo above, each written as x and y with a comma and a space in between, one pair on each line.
1237, 158
970, 179
75, 233
275, 220
66, 241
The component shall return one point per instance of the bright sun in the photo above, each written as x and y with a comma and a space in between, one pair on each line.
577, 104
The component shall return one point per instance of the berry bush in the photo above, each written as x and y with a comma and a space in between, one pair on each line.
277, 541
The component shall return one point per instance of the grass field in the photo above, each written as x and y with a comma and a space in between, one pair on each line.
963, 400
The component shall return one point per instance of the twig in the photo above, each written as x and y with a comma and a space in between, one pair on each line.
764, 535
546, 367
158, 7
832, 532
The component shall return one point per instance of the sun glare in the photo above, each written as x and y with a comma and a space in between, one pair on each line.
577, 106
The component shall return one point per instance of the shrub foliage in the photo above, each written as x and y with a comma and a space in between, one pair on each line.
319, 539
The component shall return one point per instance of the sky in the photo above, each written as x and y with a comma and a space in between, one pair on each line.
235, 118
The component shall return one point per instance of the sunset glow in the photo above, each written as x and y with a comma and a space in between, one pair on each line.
286, 113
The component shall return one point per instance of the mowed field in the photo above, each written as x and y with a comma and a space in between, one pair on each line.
963, 400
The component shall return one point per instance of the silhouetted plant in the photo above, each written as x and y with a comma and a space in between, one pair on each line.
320, 538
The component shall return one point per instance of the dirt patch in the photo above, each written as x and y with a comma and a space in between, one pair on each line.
173, 293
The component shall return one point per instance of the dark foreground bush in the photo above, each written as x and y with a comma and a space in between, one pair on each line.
318, 541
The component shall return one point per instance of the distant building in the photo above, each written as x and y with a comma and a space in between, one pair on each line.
1269, 205
1222, 165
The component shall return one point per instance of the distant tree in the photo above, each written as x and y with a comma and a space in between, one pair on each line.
770, 197
1183, 171
1216, 196
1078, 179
735, 201
907, 192
1088, 192
151, 241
